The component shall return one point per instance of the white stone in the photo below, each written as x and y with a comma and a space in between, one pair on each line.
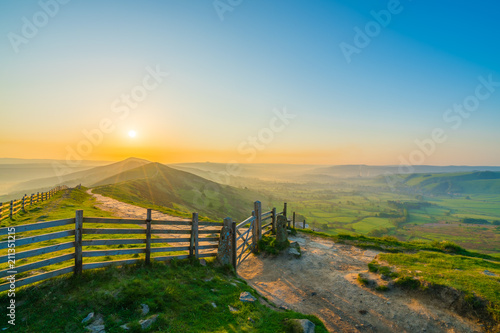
247, 297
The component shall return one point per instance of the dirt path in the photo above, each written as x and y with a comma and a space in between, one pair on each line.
323, 282
128, 211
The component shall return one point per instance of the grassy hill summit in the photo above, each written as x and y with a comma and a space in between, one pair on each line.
156, 185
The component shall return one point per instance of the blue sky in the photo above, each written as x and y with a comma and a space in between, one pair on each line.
227, 76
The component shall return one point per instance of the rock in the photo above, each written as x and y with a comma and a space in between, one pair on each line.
148, 322
363, 312
302, 326
231, 309
281, 233
283, 307
88, 318
144, 309
203, 262
125, 327
295, 245
487, 272
299, 240
214, 305
313, 294
247, 297
97, 325
224, 252
294, 252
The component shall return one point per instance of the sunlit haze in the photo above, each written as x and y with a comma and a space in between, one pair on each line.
264, 82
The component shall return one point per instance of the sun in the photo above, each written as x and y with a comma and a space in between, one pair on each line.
132, 134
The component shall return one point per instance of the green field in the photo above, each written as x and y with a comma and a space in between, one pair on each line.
354, 206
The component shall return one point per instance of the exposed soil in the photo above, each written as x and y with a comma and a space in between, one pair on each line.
324, 282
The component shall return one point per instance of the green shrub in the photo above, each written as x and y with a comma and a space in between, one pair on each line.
382, 287
407, 282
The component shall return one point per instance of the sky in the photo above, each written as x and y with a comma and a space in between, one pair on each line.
323, 82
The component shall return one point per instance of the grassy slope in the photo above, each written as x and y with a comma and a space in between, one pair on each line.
179, 193
462, 273
436, 263
464, 182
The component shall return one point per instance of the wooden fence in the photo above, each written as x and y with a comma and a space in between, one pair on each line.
187, 232
244, 239
8, 210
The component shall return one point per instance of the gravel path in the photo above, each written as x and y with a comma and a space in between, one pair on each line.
324, 282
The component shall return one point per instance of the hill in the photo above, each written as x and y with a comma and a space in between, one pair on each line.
159, 185
365, 171
479, 182
85, 177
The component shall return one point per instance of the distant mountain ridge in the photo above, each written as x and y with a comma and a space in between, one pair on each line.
87, 177
479, 182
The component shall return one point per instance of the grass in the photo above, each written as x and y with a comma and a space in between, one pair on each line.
465, 274
269, 245
181, 293
362, 280
392, 244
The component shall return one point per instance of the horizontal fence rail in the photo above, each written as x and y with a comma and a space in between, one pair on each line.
9, 209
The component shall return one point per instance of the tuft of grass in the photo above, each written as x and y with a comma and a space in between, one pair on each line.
362, 280
269, 245
407, 282
382, 288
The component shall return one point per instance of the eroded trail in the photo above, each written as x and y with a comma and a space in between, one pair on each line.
323, 282
128, 211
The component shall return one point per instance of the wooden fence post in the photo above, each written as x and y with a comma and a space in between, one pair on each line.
1, 210
234, 244
193, 247
37, 196
11, 208
294, 220
257, 231
304, 224
148, 237
31, 199
273, 226
78, 242
22, 206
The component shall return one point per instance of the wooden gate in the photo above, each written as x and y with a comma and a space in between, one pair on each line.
250, 231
